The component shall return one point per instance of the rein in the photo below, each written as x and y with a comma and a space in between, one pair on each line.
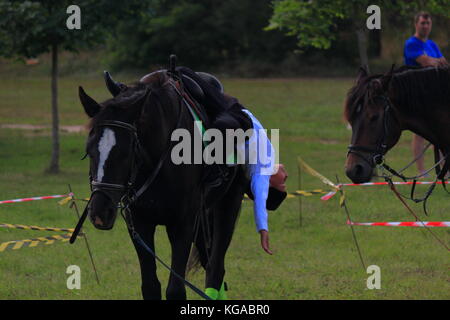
127, 202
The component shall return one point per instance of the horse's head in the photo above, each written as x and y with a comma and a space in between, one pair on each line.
113, 148
375, 128
110, 146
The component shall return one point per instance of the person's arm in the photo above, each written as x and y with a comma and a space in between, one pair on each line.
443, 62
260, 188
426, 61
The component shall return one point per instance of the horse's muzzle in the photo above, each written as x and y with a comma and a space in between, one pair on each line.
102, 211
357, 170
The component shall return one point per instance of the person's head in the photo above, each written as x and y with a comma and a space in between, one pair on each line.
423, 23
278, 179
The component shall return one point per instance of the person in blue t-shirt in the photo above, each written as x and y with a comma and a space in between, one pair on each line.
423, 52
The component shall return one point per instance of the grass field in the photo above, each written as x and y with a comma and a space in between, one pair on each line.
315, 260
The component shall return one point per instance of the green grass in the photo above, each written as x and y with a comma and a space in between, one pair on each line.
317, 260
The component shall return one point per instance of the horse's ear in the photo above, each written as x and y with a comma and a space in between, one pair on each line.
114, 87
362, 73
91, 107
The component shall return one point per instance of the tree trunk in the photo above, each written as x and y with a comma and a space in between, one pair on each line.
361, 35
54, 162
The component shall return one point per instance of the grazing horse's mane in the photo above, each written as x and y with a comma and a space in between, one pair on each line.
416, 89
413, 87
358, 93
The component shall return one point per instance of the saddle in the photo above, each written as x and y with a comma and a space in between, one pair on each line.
191, 86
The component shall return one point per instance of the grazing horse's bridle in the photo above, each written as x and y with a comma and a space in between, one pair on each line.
377, 159
378, 152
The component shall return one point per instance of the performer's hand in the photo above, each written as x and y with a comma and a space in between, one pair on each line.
265, 241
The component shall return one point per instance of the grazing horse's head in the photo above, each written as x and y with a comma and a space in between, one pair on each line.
375, 127
113, 147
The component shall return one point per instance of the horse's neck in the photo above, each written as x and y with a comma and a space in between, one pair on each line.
159, 128
434, 129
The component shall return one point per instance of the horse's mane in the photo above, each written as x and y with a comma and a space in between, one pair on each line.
357, 93
414, 87
417, 89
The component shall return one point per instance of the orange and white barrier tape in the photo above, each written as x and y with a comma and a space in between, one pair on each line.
36, 198
330, 195
403, 224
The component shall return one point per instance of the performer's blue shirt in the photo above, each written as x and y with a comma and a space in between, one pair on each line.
415, 48
262, 165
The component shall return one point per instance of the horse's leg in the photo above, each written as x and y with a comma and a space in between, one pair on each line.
180, 236
224, 218
151, 287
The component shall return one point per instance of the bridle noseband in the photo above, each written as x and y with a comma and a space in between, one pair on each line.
378, 152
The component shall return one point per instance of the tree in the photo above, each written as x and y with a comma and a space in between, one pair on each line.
203, 33
314, 22
30, 28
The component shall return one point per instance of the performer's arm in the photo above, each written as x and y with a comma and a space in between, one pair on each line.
260, 189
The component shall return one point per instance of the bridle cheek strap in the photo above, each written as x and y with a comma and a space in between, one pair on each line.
380, 150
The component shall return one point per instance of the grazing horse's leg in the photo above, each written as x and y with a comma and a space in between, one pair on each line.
151, 287
180, 236
224, 219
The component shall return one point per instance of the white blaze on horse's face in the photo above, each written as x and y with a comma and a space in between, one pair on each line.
106, 143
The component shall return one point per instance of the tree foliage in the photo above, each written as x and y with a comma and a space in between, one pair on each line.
29, 28
314, 22
201, 32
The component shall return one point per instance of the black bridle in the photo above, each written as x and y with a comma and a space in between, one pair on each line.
111, 189
127, 194
377, 152
377, 160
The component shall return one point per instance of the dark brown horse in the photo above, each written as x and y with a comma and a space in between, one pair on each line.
379, 107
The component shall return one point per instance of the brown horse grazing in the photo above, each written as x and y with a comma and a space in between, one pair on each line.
379, 107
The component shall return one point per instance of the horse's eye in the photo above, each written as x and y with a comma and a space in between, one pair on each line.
358, 108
